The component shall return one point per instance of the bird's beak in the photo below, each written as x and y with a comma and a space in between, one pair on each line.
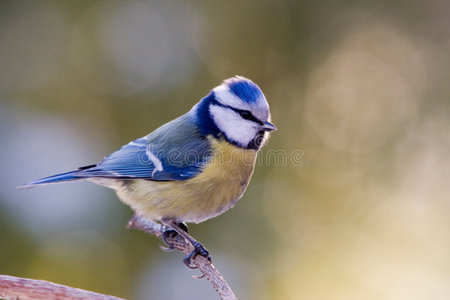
269, 127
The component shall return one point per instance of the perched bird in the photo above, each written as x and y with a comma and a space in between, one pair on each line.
192, 168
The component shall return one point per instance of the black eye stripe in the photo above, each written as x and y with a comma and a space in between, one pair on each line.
245, 114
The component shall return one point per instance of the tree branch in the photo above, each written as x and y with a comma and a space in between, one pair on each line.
23, 288
207, 269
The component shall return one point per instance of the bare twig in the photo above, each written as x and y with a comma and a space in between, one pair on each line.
180, 243
23, 288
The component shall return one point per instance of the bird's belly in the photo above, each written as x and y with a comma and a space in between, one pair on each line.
216, 189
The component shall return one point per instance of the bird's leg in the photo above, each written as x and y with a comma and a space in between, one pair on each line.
198, 248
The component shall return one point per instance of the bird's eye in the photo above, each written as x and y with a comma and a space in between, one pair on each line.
245, 114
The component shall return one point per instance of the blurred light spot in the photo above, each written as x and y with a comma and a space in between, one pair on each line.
41, 145
123, 48
369, 86
422, 167
32, 46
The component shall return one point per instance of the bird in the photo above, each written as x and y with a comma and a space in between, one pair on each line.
192, 168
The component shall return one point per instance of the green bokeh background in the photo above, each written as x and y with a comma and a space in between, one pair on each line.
354, 205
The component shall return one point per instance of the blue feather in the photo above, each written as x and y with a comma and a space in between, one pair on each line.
175, 151
245, 89
204, 119
178, 149
69, 176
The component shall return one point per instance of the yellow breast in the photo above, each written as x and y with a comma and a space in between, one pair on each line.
221, 183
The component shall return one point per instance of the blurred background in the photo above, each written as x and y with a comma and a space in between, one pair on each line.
354, 205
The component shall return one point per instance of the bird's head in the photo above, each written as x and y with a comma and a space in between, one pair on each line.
238, 110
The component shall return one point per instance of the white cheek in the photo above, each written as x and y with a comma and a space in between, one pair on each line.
231, 123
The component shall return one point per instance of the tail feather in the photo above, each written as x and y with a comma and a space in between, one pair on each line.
69, 176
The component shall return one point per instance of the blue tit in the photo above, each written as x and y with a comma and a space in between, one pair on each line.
192, 168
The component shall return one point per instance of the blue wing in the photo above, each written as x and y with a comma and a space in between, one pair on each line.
175, 151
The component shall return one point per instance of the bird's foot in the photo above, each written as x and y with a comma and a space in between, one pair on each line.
168, 237
198, 250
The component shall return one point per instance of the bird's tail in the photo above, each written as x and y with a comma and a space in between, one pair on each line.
69, 176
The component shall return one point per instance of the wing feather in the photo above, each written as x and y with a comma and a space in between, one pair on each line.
175, 151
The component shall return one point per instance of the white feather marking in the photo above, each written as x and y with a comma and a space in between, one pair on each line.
155, 160
231, 123
224, 96
115, 173
133, 143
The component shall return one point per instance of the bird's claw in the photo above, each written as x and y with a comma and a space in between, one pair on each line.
167, 249
198, 250
198, 276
